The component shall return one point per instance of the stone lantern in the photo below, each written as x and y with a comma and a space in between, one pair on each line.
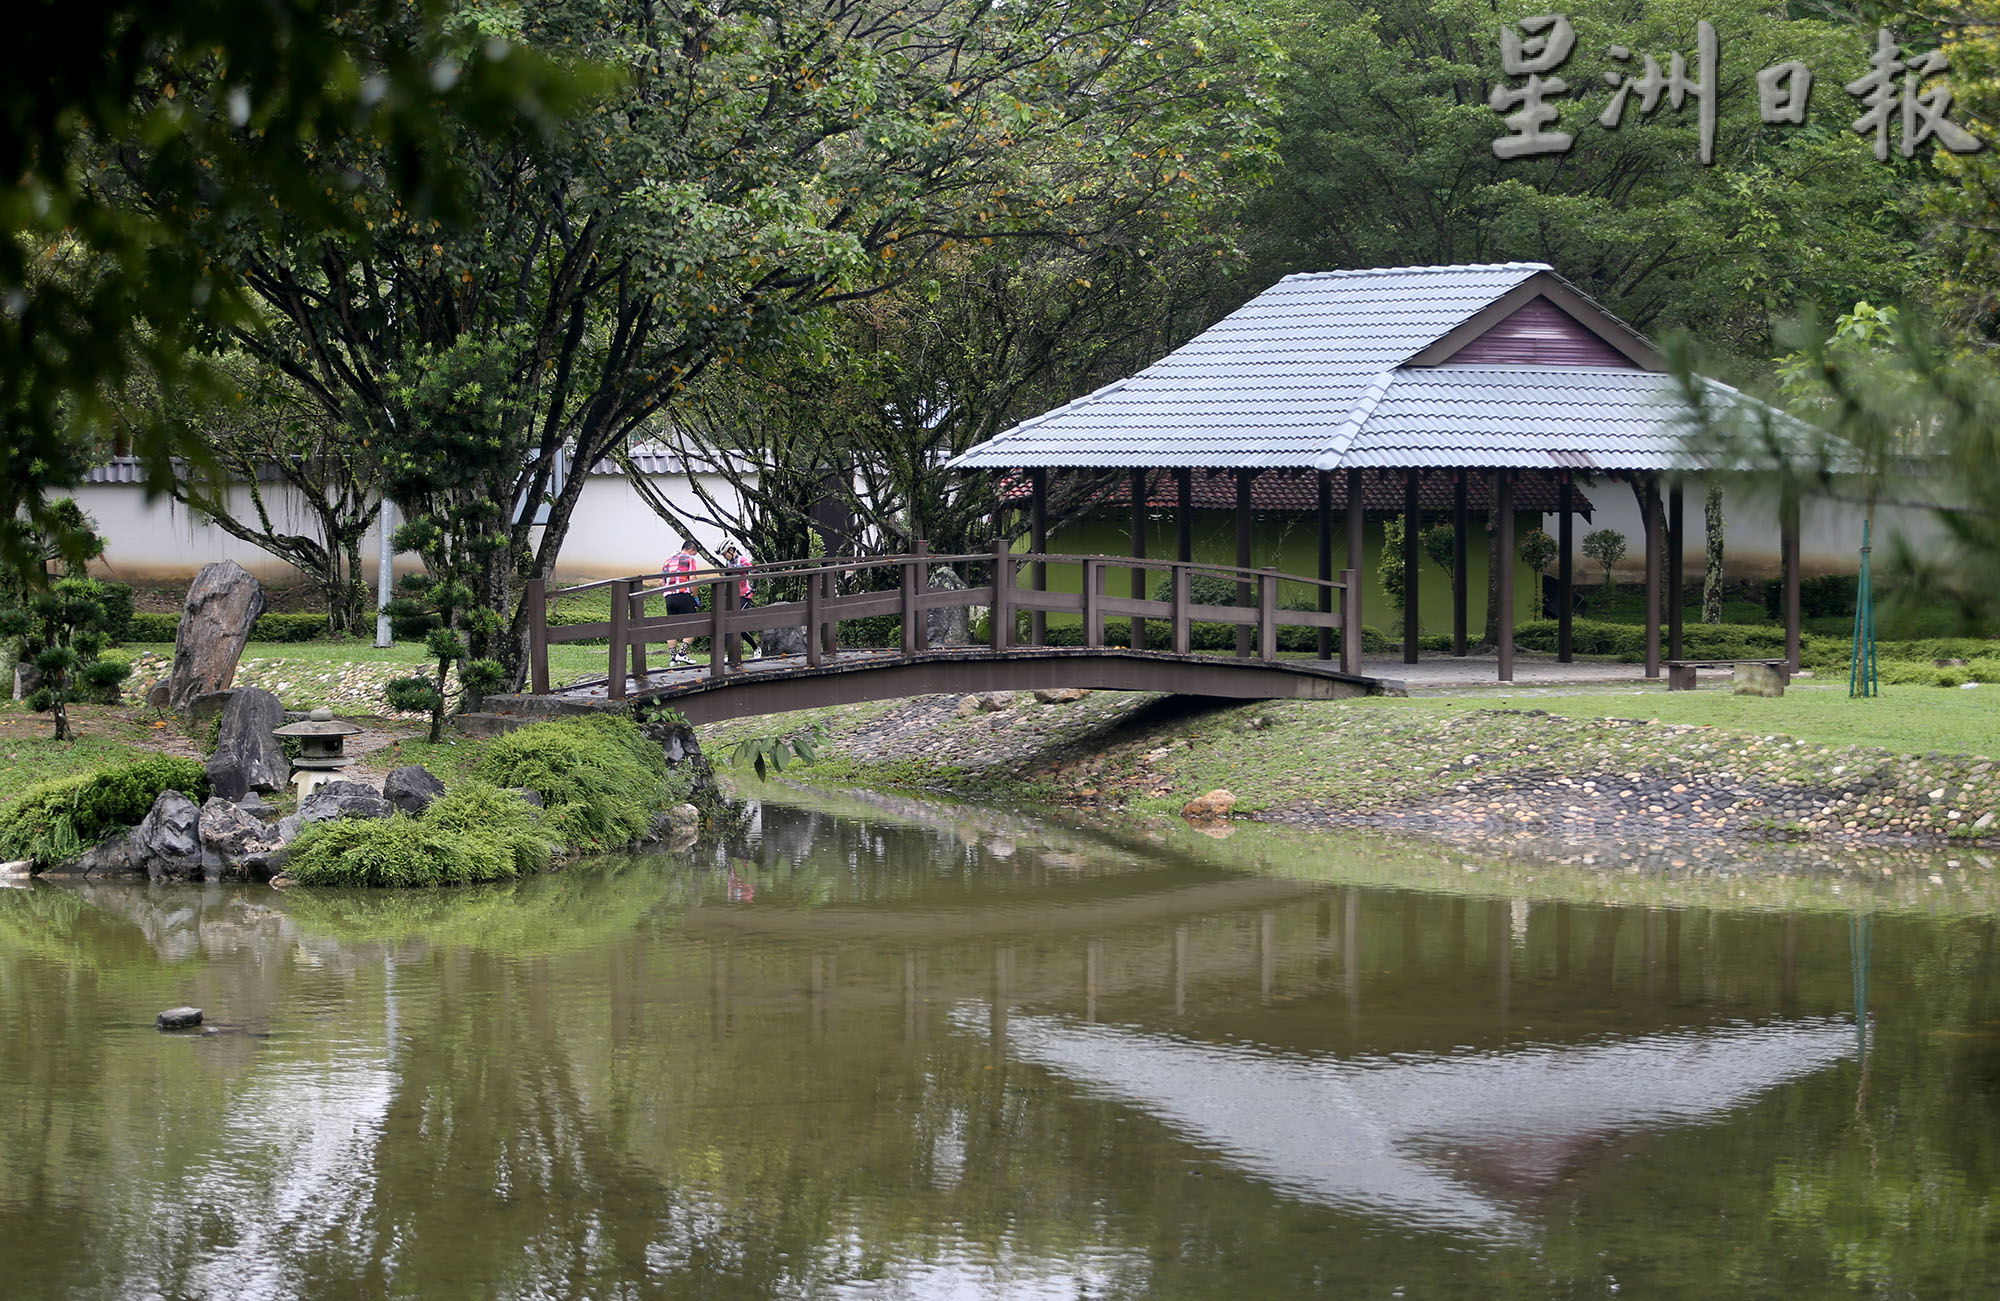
322, 742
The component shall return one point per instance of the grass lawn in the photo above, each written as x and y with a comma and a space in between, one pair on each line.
1908, 720
107, 735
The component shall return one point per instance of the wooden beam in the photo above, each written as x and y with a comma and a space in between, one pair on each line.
1676, 537
1138, 553
1038, 542
1649, 498
1461, 522
1357, 537
1245, 592
1325, 483
1412, 551
1566, 572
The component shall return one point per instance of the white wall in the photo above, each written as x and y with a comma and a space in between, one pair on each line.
1829, 531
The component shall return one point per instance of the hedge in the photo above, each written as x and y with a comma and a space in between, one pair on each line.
269, 627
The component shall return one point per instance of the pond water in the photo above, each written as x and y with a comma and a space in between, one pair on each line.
889, 1049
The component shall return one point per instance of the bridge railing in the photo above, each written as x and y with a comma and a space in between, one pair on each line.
631, 626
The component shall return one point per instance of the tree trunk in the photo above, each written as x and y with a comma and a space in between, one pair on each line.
1711, 586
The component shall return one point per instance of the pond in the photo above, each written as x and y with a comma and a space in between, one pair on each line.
882, 1048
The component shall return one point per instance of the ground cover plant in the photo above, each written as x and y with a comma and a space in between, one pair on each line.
601, 781
60, 819
476, 832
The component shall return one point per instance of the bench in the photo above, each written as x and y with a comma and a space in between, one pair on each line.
1681, 673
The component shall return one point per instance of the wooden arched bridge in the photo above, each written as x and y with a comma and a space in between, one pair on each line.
807, 666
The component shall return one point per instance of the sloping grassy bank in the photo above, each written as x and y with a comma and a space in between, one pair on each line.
1610, 762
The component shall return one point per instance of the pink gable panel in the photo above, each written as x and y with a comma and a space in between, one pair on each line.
1539, 334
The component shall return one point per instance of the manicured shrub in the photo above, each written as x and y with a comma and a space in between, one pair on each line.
481, 808
143, 627
600, 779
59, 819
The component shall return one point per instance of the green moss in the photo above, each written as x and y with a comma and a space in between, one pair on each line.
61, 818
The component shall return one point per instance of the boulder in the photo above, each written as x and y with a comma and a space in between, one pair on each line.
684, 819
179, 1018
26, 678
1759, 680
775, 642
949, 625
17, 867
168, 841
222, 603
157, 696
411, 788
247, 754
1210, 807
208, 704
235, 844
1060, 695
344, 799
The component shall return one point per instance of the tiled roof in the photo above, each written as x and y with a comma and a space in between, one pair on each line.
1276, 382
1539, 417
1381, 492
1313, 373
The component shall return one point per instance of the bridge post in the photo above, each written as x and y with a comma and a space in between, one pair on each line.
1267, 614
635, 638
829, 632
732, 601
908, 590
919, 587
1350, 621
1093, 613
813, 617
718, 649
536, 597
1000, 630
1183, 628
621, 606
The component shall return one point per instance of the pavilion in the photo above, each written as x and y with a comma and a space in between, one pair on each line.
1497, 383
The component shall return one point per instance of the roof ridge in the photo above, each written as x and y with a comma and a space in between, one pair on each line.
1352, 423
1358, 272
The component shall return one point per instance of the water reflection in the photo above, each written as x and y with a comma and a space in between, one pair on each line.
871, 1048
1415, 1139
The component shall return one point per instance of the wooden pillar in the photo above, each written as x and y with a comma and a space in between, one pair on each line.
1461, 519
1000, 627
1566, 572
1649, 499
1675, 563
538, 635
1788, 547
1503, 556
621, 608
1139, 502
1038, 542
1184, 515
1412, 551
1357, 525
1325, 484
1245, 591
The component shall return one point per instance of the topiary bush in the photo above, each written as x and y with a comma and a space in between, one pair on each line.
62, 818
601, 781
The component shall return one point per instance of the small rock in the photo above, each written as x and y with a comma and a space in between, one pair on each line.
16, 867
1060, 695
411, 788
529, 796
344, 799
684, 818
1214, 805
1759, 680
179, 1018
1983, 821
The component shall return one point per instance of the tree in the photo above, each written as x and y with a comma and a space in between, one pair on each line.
1386, 139
438, 609
1389, 566
1537, 550
259, 429
759, 165
1711, 583
59, 628
1607, 548
219, 112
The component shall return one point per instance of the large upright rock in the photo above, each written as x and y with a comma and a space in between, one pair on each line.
168, 841
949, 625
247, 754
222, 603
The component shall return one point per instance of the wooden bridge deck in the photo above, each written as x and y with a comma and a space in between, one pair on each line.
783, 684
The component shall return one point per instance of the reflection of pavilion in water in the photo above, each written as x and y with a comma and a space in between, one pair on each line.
1415, 1138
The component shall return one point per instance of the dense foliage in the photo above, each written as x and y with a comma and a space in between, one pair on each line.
601, 781
59, 819
475, 832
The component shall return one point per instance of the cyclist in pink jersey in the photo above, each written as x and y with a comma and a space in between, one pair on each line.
678, 573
